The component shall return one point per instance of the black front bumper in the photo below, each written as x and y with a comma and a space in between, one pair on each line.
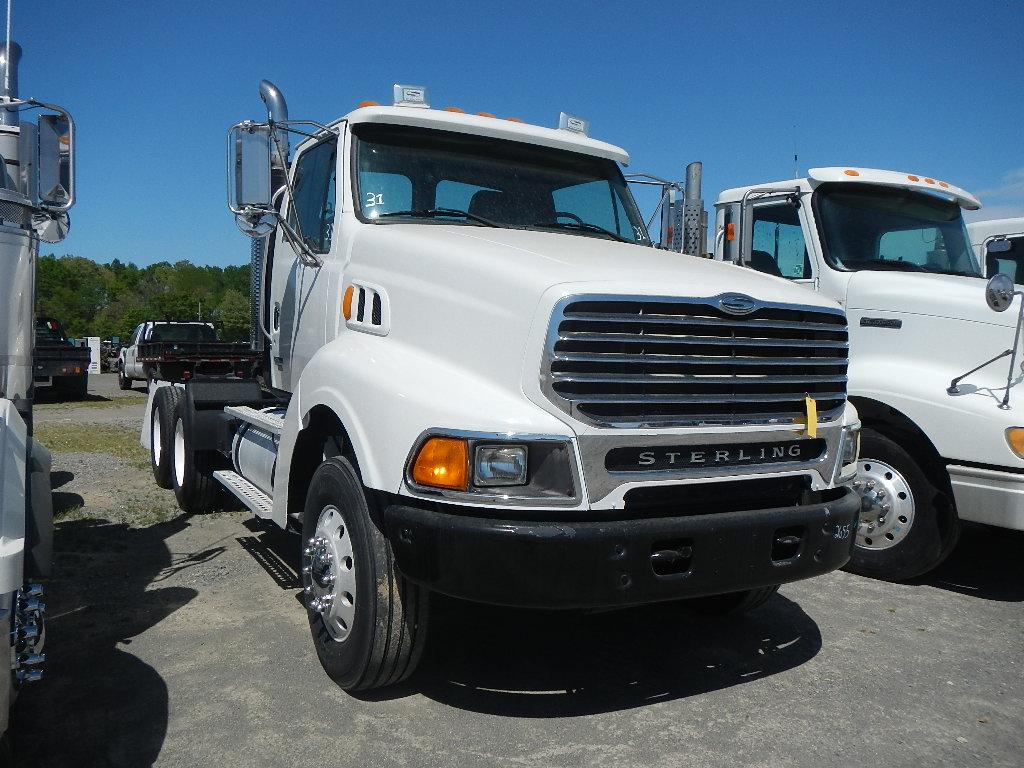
556, 564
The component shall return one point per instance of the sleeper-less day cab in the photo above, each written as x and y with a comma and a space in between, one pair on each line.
482, 380
938, 446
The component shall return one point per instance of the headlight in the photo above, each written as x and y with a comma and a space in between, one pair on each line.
849, 452
473, 466
499, 465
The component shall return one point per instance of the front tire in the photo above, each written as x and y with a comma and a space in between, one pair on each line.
123, 382
368, 622
907, 526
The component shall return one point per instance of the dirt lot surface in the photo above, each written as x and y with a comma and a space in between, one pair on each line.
177, 641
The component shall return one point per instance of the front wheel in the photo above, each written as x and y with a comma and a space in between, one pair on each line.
368, 622
123, 382
907, 526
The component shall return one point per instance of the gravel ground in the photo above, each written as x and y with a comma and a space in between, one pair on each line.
176, 641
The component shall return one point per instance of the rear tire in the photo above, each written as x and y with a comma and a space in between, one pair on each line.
161, 434
123, 382
921, 525
733, 602
368, 622
192, 476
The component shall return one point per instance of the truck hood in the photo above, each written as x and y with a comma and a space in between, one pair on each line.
545, 259
912, 293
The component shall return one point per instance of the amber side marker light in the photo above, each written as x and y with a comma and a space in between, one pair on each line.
346, 303
851, 172
442, 462
730, 232
1015, 438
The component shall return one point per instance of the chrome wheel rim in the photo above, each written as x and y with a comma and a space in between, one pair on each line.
156, 444
179, 453
328, 570
886, 505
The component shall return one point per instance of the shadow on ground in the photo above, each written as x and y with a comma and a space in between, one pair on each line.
52, 395
98, 704
988, 563
539, 664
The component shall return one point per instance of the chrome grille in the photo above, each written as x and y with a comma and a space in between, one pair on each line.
631, 362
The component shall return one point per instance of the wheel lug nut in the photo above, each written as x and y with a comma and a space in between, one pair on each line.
886, 508
871, 528
871, 484
881, 520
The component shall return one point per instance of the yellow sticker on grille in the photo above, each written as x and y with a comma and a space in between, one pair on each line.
812, 416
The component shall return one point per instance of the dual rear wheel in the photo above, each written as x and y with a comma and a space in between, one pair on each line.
177, 464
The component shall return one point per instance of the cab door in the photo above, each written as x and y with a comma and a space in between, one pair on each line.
299, 287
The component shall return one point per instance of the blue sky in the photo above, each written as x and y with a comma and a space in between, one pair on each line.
930, 87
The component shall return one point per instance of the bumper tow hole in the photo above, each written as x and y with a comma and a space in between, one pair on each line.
671, 557
786, 543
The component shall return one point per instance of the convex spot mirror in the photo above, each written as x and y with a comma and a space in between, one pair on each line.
999, 292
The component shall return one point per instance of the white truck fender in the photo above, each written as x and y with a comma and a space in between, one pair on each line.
388, 388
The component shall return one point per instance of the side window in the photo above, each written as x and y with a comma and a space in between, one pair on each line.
311, 211
778, 242
1009, 262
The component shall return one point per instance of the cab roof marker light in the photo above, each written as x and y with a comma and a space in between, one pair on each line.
912, 177
569, 122
368, 103
411, 96
851, 172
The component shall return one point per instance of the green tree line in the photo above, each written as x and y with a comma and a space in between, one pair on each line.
93, 299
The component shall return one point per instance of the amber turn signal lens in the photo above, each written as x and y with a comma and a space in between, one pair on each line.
442, 462
1015, 437
730, 232
346, 303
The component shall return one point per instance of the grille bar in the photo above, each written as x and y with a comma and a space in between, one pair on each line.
633, 361
703, 341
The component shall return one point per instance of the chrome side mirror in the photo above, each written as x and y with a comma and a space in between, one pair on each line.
249, 178
999, 292
56, 185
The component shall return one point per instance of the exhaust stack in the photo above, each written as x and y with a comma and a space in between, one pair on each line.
277, 110
694, 217
9, 60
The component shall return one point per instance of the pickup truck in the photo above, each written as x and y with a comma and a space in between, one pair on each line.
56, 361
179, 350
484, 381
943, 437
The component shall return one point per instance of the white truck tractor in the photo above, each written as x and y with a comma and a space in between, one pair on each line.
943, 437
36, 190
483, 381
999, 245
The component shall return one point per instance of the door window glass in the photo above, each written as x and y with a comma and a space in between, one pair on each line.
311, 213
778, 243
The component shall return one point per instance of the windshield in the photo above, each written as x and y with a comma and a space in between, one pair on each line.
880, 228
418, 174
182, 332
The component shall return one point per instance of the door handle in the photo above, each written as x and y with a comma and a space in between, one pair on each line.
277, 315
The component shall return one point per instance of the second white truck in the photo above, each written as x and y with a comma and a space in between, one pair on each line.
943, 437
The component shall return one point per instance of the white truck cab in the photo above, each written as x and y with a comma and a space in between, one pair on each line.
484, 381
892, 248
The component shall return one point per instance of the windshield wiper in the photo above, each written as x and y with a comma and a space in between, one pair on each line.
440, 213
585, 226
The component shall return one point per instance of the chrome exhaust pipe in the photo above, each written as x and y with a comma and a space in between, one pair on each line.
277, 111
9, 60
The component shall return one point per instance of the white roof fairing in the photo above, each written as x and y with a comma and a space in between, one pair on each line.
494, 127
849, 174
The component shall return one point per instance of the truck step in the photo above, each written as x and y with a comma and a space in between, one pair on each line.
269, 422
256, 500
